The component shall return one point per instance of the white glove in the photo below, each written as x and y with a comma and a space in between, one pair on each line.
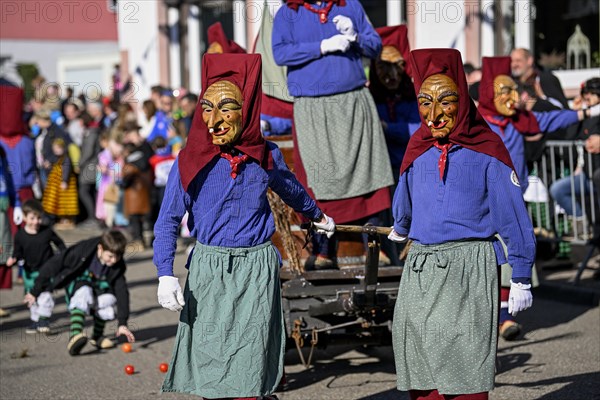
335, 43
170, 295
594, 111
519, 298
395, 237
345, 26
326, 228
17, 215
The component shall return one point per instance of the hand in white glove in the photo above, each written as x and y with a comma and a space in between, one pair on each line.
327, 227
594, 111
345, 26
17, 215
335, 43
395, 237
170, 295
519, 298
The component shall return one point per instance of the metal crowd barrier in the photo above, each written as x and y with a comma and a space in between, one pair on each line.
561, 159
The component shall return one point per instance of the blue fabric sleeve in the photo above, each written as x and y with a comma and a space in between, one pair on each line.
509, 215
551, 121
402, 204
286, 50
284, 183
172, 210
279, 126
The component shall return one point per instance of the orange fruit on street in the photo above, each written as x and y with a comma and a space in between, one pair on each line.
126, 347
164, 367
129, 369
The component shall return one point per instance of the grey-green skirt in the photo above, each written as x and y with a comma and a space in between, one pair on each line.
446, 318
231, 340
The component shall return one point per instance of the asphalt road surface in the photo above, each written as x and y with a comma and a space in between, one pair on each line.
558, 357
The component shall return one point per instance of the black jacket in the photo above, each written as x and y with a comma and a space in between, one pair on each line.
65, 267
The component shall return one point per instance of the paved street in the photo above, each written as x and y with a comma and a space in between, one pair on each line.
558, 357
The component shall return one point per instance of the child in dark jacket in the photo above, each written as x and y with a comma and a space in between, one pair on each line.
35, 244
93, 275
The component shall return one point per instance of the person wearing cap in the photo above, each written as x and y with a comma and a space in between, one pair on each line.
338, 138
231, 338
457, 190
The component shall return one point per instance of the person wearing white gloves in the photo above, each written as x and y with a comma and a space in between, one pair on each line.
340, 153
231, 338
457, 190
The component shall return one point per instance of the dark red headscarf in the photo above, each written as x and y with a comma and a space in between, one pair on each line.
523, 120
471, 131
294, 4
216, 33
243, 70
11, 109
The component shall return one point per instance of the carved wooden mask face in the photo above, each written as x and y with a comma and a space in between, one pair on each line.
222, 112
438, 104
390, 67
506, 96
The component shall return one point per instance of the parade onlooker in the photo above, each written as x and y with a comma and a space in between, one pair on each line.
34, 245
339, 149
149, 110
74, 125
188, 105
450, 278
136, 181
88, 166
562, 189
48, 132
221, 178
110, 165
60, 199
544, 84
92, 272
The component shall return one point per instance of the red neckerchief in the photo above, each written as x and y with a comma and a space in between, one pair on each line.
501, 123
443, 158
322, 12
234, 162
11, 141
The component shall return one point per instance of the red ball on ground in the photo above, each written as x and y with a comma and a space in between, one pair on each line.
163, 367
129, 369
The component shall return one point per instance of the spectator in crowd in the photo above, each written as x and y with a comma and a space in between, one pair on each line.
562, 190
92, 272
49, 131
74, 125
136, 181
110, 165
34, 245
531, 79
149, 110
88, 165
188, 106
60, 199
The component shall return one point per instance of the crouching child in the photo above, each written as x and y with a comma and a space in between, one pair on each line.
92, 272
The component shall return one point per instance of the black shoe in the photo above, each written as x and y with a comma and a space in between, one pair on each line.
43, 326
509, 330
76, 343
32, 329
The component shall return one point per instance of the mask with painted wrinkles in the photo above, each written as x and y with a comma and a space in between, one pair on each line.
222, 112
438, 104
506, 96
